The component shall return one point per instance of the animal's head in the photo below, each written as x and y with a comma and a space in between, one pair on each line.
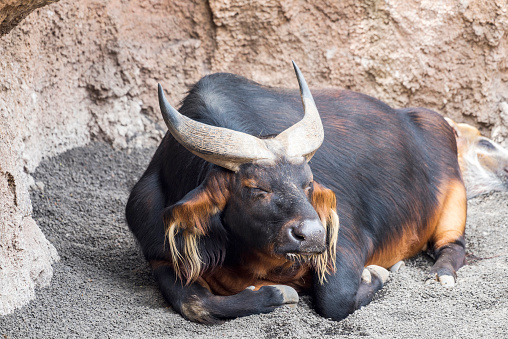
262, 194
483, 162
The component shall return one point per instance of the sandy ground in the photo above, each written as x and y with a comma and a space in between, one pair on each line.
102, 288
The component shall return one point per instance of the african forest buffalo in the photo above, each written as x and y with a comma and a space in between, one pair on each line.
235, 218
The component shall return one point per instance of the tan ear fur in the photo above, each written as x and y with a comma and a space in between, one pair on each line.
325, 203
190, 218
454, 125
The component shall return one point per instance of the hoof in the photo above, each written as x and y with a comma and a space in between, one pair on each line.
379, 271
445, 280
293, 306
397, 266
366, 277
288, 293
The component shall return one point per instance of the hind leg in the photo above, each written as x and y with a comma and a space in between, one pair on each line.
450, 258
448, 245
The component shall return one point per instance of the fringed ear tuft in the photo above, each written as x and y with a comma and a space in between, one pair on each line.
324, 202
189, 219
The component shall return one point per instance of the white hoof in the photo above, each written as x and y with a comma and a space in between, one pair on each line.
397, 266
288, 293
447, 280
366, 277
379, 271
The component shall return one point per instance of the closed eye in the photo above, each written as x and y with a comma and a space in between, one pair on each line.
484, 143
307, 187
258, 191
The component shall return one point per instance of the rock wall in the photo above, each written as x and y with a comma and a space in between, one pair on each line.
12, 12
450, 56
80, 70
25, 254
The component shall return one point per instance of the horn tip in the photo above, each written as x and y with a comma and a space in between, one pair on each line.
168, 112
295, 66
160, 90
304, 88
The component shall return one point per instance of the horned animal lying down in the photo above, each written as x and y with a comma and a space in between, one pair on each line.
241, 205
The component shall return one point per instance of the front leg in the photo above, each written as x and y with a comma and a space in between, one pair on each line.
198, 304
350, 288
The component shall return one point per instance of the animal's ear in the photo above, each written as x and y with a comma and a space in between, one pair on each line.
455, 127
464, 134
190, 220
325, 203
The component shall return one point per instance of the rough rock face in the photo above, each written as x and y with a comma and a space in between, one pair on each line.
13, 11
25, 254
81, 70
450, 56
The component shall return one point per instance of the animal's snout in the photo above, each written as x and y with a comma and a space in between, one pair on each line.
308, 236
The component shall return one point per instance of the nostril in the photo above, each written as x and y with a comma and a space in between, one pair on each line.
308, 231
297, 233
307, 237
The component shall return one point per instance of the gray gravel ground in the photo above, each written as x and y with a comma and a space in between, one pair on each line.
102, 287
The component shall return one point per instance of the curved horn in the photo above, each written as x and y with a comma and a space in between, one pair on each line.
304, 137
220, 146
